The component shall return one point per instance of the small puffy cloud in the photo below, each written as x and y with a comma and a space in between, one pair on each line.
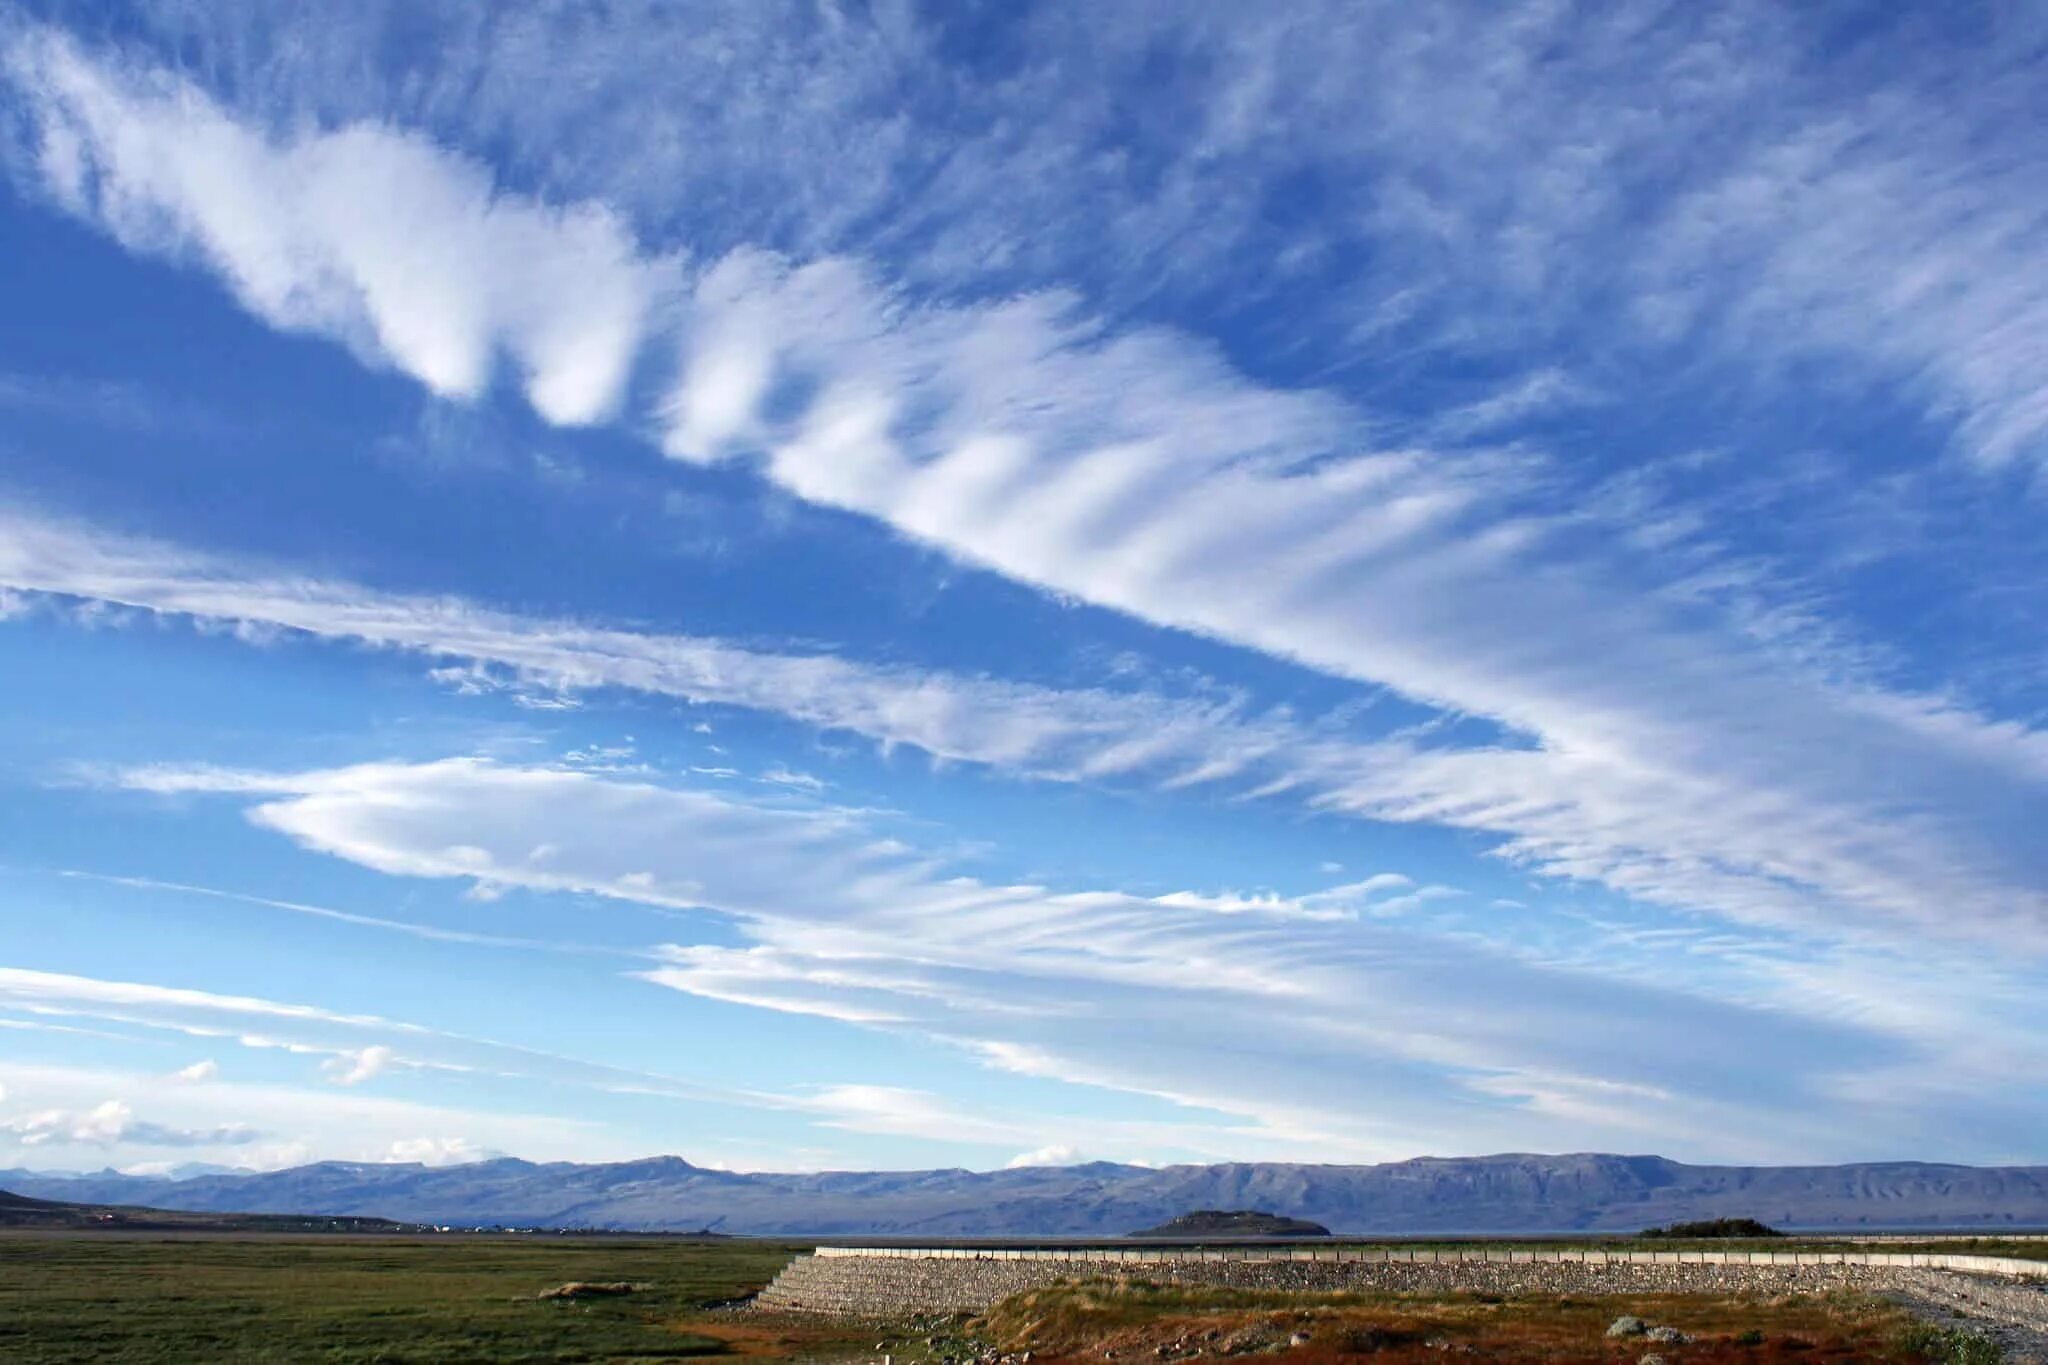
353, 1068
274, 1156
1057, 1154
447, 1151
199, 1071
113, 1122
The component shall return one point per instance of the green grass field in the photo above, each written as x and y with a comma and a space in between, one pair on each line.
98, 1298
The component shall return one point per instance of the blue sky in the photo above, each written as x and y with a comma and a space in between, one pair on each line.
848, 585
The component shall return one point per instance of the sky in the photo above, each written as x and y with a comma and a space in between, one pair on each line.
839, 584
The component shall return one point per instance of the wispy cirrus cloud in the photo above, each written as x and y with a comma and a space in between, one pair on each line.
432, 933
1667, 719
1656, 743
352, 1058
351, 1048
1022, 727
358, 1053
1663, 758
362, 234
1434, 1032
1358, 185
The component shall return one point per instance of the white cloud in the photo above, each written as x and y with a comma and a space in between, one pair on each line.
432, 933
359, 1066
1647, 737
782, 776
1648, 744
1033, 730
1484, 178
206, 1070
351, 1047
112, 1123
1443, 1041
374, 237
900, 1112
447, 1151
1057, 1154
1888, 232
24, 988
259, 1126
1703, 776
1155, 466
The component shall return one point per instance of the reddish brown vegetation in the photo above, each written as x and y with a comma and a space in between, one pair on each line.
1091, 1329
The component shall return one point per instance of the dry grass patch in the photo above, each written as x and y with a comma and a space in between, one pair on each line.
1145, 1323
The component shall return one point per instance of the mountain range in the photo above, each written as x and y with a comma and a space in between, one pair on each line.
1587, 1192
19, 1211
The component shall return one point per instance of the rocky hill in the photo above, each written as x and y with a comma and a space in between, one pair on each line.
1493, 1194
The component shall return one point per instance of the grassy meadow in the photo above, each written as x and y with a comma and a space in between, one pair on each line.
226, 1298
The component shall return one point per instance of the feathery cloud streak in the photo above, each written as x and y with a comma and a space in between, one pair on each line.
1446, 1040
376, 239
1655, 746
353, 1057
1564, 813
1746, 182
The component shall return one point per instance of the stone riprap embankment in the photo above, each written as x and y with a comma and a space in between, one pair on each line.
894, 1282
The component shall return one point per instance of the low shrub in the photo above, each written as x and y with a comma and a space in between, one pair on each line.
1949, 1345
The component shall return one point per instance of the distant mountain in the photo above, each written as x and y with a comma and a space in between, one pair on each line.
1224, 1223
1505, 1194
20, 1211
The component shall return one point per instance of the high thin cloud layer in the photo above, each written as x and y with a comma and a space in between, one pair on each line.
1650, 438
357, 1050
1848, 187
1662, 748
1445, 1041
1656, 743
1752, 797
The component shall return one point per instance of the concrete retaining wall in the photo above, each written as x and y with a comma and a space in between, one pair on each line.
895, 1281
1152, 1256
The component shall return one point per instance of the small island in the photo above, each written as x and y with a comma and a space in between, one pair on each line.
1715, 1227
1233, 1223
